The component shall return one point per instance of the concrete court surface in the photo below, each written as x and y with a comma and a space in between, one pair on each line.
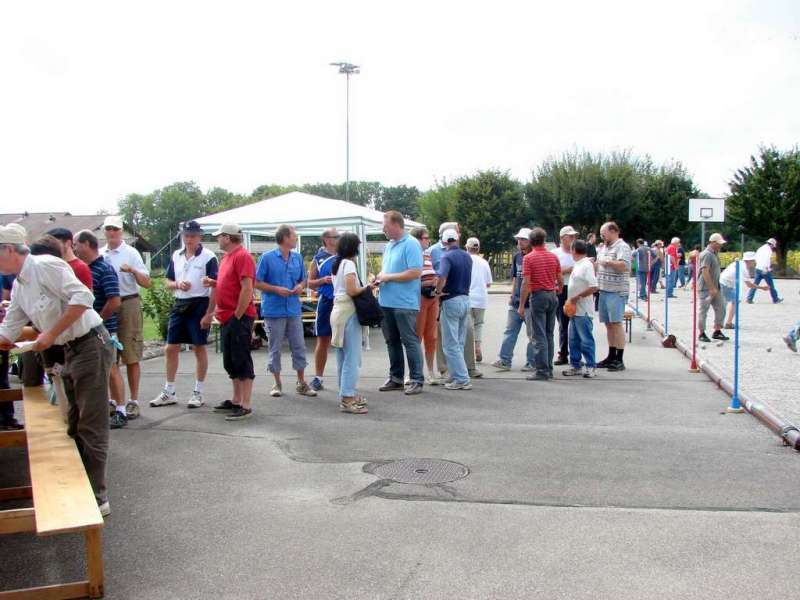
634, 485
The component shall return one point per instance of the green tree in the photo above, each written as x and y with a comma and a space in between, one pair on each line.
270, 190
765, 198
437, 206
363, 193
490, 206
218, 199
401, 198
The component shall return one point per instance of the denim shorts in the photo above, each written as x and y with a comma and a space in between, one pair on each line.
611, 307
728, 293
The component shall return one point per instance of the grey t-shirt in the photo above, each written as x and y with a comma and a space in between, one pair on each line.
707, 260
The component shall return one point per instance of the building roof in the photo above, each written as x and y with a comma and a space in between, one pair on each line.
309, 214
37, 224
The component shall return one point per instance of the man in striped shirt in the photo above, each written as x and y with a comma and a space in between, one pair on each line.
106, 302
542, 281
613, 279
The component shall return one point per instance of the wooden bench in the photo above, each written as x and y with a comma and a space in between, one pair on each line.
63, 500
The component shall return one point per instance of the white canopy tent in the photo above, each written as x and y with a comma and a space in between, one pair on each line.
309, 214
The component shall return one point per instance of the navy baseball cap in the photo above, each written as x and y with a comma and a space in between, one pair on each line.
192, 227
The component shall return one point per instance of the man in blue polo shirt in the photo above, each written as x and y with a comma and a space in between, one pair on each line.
8, 422
281, 278
320, 278
399, 282
455, 277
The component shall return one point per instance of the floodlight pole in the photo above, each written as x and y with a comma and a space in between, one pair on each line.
348, 69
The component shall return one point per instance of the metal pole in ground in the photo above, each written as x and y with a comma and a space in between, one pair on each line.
667, 266
736, 406
693, 368
649, 271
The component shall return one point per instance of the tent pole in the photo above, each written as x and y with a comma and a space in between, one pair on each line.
362, 256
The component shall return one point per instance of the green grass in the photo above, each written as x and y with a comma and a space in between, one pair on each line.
150, 329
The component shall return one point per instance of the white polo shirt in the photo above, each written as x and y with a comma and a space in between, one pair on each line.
565, 260
193, 269
125, 254
764, 258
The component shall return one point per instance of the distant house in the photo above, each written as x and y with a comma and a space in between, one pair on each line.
37, 224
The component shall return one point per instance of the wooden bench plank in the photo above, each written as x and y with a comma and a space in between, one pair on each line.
64, 591
62, 495
16, 493
12, 439
18, 520
14, 395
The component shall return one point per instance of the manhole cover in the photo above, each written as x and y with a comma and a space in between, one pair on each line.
421, 470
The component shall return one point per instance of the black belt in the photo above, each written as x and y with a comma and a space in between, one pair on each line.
129, 297
93, 332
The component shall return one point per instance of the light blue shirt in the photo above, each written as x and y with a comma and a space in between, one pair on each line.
398, 256
436, 254
273, 269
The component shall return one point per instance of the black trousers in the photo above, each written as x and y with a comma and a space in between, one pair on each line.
6, 408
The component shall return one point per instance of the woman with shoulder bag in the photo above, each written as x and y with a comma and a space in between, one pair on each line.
345, 326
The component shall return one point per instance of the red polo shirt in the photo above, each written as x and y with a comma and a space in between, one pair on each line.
233, 268
542, 268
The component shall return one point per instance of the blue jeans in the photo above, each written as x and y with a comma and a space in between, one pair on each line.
400, 332
543, 323
682, 275
453, 319
513, 324
581, 342
672, 279
348, 358
655, 274
763, 276
642, 275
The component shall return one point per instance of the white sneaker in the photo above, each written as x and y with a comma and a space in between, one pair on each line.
105, 508
454, 385
163, 399
196, 400
590, 373
433, 380
276, 391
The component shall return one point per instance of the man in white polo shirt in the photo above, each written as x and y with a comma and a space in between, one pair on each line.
567, 235
132, 273
47, 293
191, 314
764, 271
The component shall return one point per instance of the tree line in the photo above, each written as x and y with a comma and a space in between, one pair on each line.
583, 189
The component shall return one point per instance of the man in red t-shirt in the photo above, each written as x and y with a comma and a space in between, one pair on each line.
236, 312
80, 268
543, 282
672, 254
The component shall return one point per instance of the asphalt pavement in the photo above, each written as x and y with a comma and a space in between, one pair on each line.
633, 485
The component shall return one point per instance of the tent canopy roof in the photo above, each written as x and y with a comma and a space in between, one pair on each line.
307, 212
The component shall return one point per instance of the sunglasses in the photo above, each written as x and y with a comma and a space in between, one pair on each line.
111, 228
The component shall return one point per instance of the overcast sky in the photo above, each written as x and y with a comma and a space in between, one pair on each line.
102, 99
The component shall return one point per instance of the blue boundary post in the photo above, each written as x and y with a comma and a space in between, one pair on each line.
736, 406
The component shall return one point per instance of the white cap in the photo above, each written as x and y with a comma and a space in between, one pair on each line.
12, 234
675, 240
772, 242
449, 235
113, 221
228, 229
749, 256
568, 230
473, 242
523, 234
717, 237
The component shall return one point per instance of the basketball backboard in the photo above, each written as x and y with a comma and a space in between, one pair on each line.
707, 210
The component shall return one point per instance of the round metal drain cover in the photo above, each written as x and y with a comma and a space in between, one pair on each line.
421, 470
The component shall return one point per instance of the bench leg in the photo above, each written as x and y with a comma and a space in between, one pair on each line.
94, 561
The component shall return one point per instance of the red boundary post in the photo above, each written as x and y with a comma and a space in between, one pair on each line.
649, 271
693, 368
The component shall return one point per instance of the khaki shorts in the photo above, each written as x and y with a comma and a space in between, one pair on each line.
130, 331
